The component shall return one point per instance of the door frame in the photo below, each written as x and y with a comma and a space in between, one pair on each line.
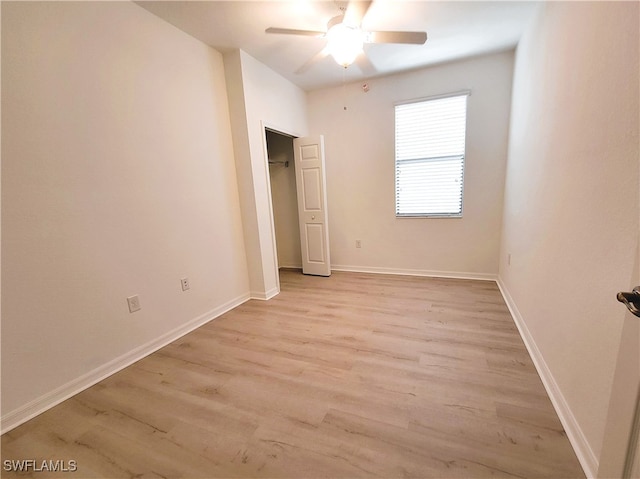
264, 126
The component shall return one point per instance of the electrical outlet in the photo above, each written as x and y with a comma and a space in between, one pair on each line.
185, 284
358, 244
134, 303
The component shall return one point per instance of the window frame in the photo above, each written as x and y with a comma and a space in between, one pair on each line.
461, 93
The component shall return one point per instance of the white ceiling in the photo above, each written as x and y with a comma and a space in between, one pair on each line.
455, 29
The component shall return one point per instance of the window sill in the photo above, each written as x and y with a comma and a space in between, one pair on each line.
428, 216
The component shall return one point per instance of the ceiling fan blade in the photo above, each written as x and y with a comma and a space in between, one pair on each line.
355, 12
291, 31
312, 61
365, 65
415, 38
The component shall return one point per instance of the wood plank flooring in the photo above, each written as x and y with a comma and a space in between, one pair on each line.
356, 375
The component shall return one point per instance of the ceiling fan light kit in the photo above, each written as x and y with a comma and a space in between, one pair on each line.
344, 43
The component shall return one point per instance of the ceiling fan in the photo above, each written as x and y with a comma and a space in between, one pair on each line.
346, 38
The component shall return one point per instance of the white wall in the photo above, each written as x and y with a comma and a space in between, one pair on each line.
571, 204
118, 178
285, 202
360, 172
260, 97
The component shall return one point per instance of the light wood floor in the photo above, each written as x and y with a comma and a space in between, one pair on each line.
355, 375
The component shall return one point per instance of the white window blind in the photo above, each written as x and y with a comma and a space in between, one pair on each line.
430, 147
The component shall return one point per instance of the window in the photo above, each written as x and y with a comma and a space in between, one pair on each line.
430, 147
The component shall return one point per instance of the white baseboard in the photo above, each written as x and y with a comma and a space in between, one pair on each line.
415, 272
265, 295
39, 405
581, 446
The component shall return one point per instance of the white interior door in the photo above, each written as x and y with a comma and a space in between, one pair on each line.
312, 205
620, 457
635, 461
632, 461
629, 363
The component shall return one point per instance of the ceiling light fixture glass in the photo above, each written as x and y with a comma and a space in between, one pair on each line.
344, 43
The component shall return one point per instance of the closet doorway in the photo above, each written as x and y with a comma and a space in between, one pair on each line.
282, 176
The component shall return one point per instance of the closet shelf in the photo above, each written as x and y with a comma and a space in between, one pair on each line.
285, 163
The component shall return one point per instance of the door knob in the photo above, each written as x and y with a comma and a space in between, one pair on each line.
313, 217
631, 300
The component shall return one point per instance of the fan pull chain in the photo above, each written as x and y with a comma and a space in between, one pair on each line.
344, 88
